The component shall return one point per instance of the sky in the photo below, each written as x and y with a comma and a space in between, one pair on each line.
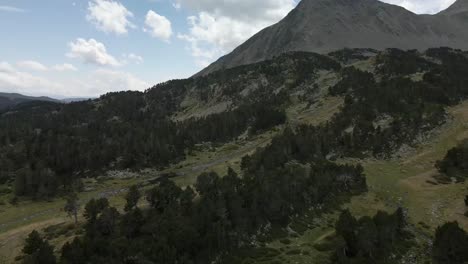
85, 48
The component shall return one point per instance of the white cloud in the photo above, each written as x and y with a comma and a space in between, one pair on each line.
132, 57
91, 51
221, 25
109, 16
91, 84
64, 67
103, 81
158, 26
12, 9
5, 67
32, 65
14, 80
422, 6
37, 66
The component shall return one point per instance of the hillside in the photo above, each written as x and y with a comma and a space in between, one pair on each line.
8, 100
358, 129
323, 26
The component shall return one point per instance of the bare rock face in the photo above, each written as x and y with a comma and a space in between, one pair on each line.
323, 26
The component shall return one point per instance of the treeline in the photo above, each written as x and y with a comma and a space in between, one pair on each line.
455, 162
204, 224
370, 239
48, 152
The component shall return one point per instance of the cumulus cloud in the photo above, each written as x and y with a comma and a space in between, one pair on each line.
91, 84
32, 65
5, 67
92, 52
158, 26
221, 25
103, 81
14, 80
109, 16
64, 67
422, 6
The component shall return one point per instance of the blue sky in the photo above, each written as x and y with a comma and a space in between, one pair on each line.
68, 48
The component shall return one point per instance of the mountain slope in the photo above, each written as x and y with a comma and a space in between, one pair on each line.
327, 25
8, 100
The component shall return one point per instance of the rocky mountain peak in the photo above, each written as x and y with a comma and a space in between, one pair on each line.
323, 26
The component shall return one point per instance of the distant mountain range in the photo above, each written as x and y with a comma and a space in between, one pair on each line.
323, 26
9, 100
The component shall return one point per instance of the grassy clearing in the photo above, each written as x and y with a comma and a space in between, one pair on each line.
318, 113
218, 159
409, 180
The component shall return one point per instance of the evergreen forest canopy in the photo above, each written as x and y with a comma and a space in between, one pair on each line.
47, 147
455, 163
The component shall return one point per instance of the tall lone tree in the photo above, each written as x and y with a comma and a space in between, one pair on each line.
132, 197
72, 206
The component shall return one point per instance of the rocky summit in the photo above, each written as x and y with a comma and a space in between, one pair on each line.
327, 25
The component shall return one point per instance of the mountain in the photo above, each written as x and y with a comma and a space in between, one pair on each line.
323, 26
8, 100
275, 130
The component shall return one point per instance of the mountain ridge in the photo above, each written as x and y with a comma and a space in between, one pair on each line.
324, 26
8, 100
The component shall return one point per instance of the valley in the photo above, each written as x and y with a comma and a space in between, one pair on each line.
337, 134
406, 180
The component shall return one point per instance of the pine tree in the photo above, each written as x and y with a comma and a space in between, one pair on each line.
132, 198
450, 244
37, 250
72, 206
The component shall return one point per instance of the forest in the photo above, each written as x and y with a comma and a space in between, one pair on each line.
48, 153
200, 224
48, 147
206, 223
